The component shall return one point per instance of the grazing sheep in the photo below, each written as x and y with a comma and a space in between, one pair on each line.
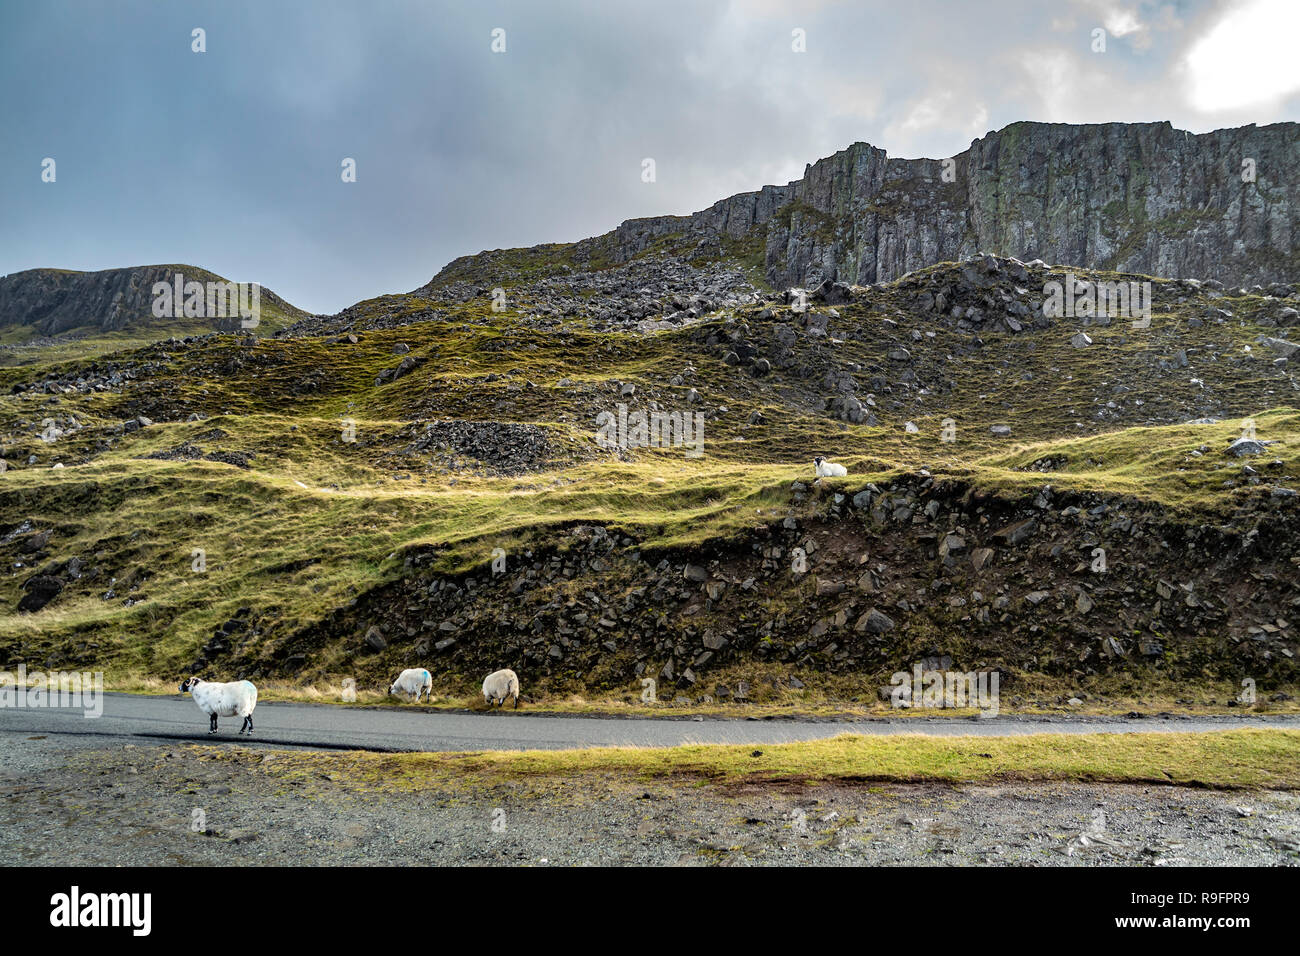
828, 469
413, 680
225, 700
499, 685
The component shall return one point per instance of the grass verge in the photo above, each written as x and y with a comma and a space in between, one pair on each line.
1231, 759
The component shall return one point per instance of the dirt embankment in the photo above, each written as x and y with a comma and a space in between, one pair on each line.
866, 584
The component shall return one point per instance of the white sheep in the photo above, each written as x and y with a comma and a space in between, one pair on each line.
499, 685
236, 699
413, 680
828, 469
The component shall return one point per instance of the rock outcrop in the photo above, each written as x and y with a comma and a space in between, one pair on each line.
1133, 197
1170, 597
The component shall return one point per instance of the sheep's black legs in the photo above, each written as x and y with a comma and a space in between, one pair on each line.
212, 724
516, 701
247, 725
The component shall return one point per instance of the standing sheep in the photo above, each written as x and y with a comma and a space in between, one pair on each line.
223, 700
499, 685
413, 680
828, 469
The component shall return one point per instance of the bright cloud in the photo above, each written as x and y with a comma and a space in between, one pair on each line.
1247, 59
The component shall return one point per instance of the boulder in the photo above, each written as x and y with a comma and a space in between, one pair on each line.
39, 590
374, 641
874, 622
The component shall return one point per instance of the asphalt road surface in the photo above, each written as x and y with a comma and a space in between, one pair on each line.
129, 717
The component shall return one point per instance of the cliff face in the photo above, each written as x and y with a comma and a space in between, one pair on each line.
57, 300
1142, 198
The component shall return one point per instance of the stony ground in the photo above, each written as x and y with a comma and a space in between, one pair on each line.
137, 806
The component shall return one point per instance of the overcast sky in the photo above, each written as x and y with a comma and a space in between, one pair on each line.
231, 159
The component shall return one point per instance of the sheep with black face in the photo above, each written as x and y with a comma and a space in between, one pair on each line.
828, 469
237, 699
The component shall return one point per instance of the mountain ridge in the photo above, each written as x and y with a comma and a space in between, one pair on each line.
1156, 200
56, 301
1140, 198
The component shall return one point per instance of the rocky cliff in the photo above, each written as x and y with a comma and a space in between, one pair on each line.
1143, 198
1136, 198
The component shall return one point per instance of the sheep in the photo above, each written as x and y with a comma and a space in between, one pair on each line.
226, 700
413, 680
499, 685
828, 469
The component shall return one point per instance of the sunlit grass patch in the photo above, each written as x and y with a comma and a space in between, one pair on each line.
1231, 759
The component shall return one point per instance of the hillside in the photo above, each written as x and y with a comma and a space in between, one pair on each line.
1080, 490
47, 313
350, 481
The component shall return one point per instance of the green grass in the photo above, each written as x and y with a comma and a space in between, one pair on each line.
315, 522
1232, 759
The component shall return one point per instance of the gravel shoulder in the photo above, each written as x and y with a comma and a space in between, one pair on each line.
171, 804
